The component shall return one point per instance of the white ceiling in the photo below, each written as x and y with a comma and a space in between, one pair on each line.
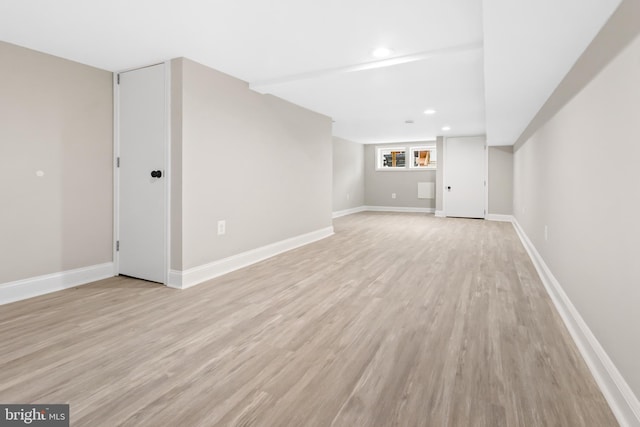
318, 53
529, 47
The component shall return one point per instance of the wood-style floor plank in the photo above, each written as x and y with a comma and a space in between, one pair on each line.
396, 320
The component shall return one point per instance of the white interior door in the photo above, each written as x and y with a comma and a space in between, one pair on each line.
142, 145
464, 177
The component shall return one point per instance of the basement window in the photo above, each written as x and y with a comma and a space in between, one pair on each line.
423, 158
391, 158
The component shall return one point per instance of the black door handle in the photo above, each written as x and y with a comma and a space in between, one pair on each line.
156, 174
449, 188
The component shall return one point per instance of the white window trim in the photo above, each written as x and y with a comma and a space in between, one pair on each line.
412, 149
408, 149
379, 167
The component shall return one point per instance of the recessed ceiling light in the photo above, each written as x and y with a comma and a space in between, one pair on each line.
446, 128
381, 52
430, 111
408, 122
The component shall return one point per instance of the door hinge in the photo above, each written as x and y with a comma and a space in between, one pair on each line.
118, 78
117, 245
485, 182
117, 162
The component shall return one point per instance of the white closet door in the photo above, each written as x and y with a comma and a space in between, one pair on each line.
142, 178
464, 179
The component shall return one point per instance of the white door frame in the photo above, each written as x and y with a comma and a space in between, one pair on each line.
443, 166
486, 179
486, 173
167, 169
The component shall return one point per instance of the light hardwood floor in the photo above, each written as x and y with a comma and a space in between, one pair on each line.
398, 319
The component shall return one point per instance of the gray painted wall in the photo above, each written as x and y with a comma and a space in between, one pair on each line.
380, 184
439, 173
55, 117
256, 161
348, 174
588, 151
176, 164
500, 177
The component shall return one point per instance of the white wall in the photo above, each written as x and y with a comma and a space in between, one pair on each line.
55, 117
578, 175
260, 163
348, 174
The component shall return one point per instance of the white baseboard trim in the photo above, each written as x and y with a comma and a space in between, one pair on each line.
193, 276
501, 218
623, 402
440, 214
175, 279
338, 214
398, 209
40, 285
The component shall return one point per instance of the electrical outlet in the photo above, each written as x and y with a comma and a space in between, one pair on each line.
348, 196
222, 227
393, 195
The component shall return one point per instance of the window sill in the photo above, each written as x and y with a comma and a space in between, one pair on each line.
405, 169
